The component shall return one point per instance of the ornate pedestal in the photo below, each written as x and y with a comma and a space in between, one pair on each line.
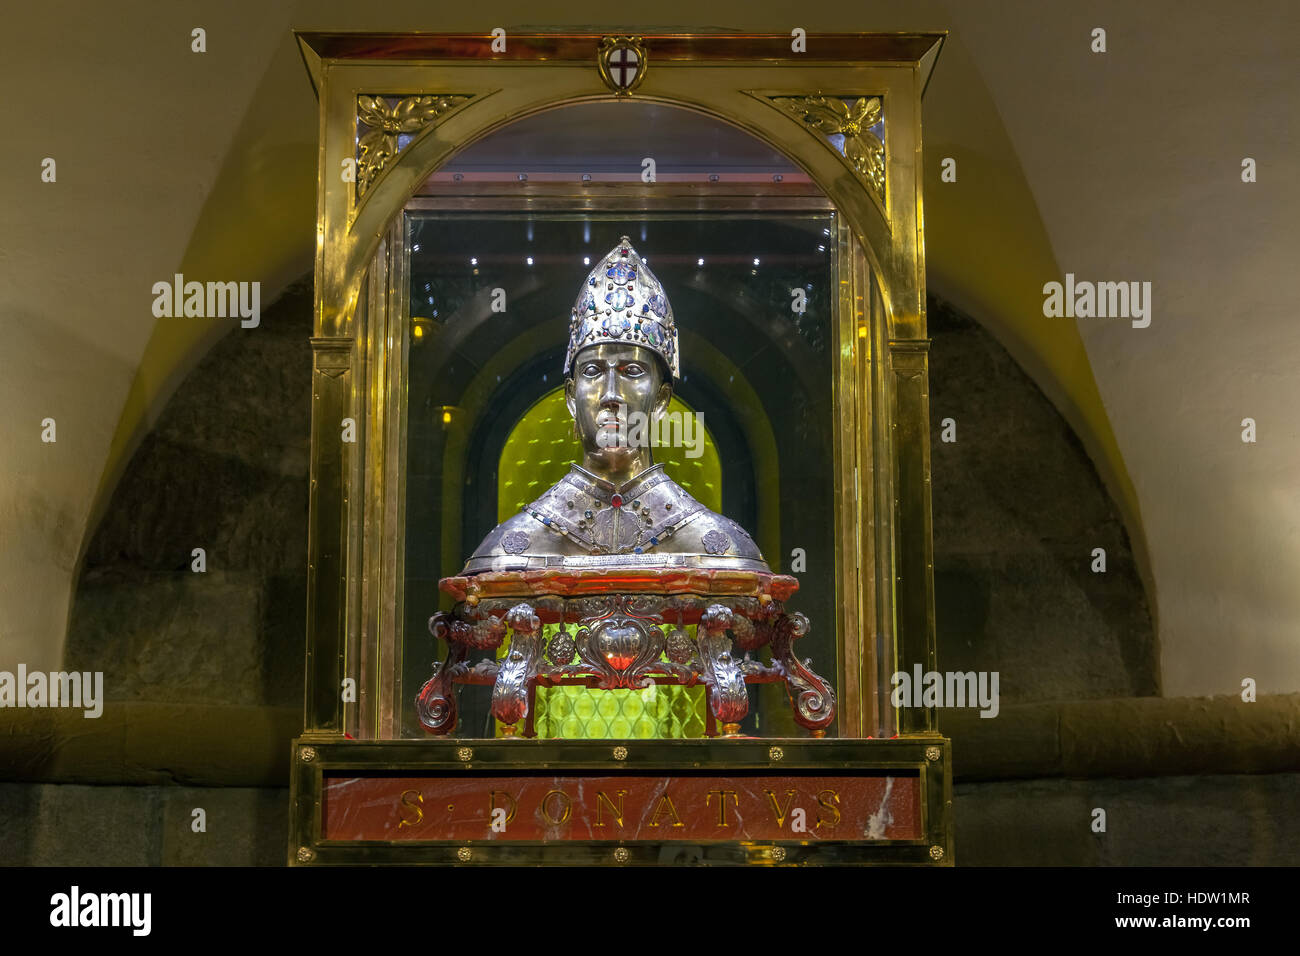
622, 628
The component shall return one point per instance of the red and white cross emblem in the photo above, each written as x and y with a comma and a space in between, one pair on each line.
623, 66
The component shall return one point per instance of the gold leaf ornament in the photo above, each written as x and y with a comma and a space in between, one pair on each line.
821, 113
831, 116
377, 145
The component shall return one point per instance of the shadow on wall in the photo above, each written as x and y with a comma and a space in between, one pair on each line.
1018, 510
225, 469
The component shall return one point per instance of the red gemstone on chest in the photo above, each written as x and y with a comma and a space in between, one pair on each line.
616, 501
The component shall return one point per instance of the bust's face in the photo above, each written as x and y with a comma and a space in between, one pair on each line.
611, 383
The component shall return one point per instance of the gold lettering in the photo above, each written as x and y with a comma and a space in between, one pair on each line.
602, 800
564, 814
665, 802
830, 805
722, 804
778, 811
492, 806
419, 813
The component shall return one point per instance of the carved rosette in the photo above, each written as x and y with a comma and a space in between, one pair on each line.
850, 124
561, 649
681, 649
385, 123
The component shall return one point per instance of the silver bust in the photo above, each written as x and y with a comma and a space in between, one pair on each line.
618, 508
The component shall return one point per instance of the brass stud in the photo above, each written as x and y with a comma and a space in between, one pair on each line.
775, 753
621, 855
305, 855
778, 853
463, 854
307, 754
936, 853
620, 752
931, 753
465, 754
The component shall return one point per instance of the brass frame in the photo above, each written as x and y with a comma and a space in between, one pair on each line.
929, 756
459, 91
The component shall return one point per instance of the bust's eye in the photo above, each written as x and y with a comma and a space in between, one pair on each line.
591, 370
633, 369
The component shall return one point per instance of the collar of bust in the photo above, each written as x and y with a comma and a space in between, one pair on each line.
628, 489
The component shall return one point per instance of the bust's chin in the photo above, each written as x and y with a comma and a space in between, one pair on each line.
619, 458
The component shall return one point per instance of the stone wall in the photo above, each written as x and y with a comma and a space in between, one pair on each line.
1018, 509
1220, 820
78, 825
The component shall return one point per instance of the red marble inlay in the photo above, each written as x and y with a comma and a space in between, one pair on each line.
695, 807
581, 581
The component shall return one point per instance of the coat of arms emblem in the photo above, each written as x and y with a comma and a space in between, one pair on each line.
622, 63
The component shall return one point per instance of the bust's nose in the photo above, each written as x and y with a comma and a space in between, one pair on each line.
609, 397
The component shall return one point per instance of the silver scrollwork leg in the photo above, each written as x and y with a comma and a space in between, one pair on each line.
519, 669
436, 703
728, 698
812, 697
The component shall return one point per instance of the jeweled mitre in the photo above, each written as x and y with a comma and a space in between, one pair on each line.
622, 301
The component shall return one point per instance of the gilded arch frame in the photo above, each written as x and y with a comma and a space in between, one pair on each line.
463, 91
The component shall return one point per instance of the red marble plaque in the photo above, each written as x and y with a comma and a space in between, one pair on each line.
694, 807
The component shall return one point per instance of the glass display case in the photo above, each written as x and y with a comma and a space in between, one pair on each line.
487, 430
511, 573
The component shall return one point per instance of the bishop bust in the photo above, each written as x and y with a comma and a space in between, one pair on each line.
618, 508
